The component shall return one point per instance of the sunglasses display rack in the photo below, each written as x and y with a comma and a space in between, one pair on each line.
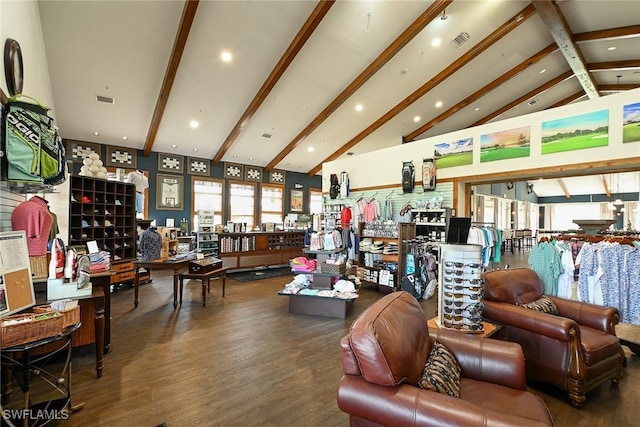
460, 288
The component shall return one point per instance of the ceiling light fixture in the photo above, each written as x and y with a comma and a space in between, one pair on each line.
438, 104
436, 42
444, 16
174, 146
544, 70
194, 124
125, 137
96, 133
226, 56
416, 119
195, 149
477, 109
611, 48
359, 107
310, 149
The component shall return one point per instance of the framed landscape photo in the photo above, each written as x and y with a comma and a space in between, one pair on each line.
121, 157
77, 151
169, 192
197, 166
170, 163
297, 197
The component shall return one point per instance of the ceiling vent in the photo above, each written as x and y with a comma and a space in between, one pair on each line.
462, 37
533, 102
350, 153
105, 99
266, 135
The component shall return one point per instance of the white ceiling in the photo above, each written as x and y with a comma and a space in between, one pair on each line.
122, 49
627, 182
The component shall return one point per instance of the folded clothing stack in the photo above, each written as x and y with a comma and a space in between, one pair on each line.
303, 265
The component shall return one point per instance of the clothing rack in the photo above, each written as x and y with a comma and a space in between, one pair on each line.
483, 224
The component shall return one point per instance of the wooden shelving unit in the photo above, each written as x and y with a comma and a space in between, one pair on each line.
104, 211
244, 250
405, 231
207, 241
432, 223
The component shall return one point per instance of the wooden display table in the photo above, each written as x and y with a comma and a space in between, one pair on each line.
168, 264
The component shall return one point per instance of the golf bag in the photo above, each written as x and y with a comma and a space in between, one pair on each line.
408, 177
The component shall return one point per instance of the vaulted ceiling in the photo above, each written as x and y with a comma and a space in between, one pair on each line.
287, 98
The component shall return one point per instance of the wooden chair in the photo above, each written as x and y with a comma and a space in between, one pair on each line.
518, 239
205, 278
528, 238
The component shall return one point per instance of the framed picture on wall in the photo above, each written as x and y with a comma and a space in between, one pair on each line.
233, 171
297, 198
169, 192
170, 163
121, 157
196, 166
276, 176
77, 151
253, 173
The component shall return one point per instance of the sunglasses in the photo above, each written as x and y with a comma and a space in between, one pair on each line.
475, 313
461, 264
460, 295
456, 272
461, 326
463, 288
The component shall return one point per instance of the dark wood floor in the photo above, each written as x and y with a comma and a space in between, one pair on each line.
245, 361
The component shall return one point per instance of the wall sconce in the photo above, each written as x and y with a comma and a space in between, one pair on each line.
529, 188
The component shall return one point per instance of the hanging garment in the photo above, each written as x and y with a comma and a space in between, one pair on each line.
545, 261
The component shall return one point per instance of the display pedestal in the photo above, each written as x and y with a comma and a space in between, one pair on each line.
319, 306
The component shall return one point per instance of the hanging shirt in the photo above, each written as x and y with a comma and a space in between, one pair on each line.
34, 218
139, 180
545, 261
150, 245
345, 216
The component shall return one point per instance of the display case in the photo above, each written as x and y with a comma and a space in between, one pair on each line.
432, 223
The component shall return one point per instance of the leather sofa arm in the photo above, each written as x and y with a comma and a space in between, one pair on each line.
591, 315
407, 405
544, 324
497, 362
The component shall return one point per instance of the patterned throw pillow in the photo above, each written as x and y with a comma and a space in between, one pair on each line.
441, 372
543, 304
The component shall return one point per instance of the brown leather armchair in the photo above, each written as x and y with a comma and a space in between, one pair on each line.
576, 350
383, 358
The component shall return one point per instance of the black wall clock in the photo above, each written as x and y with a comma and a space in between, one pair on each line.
13, 67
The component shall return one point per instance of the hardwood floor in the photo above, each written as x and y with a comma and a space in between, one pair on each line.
246, 361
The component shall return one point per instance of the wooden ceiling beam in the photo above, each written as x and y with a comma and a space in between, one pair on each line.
557, 26
305, 32
607, 190
631, 64
186, 21
482, 91
565, 190
618, 88
510, 25
431, 13
535, 92
612, 33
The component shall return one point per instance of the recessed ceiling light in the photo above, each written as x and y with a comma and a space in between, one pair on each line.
477, 109
438, 104
436, 42
611, 48
310, 149
195, 149
250, 158
174, 146
416, 119
125, 137
96, 133
194, 124
235, 155
359, 107
544, 70
226, 56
